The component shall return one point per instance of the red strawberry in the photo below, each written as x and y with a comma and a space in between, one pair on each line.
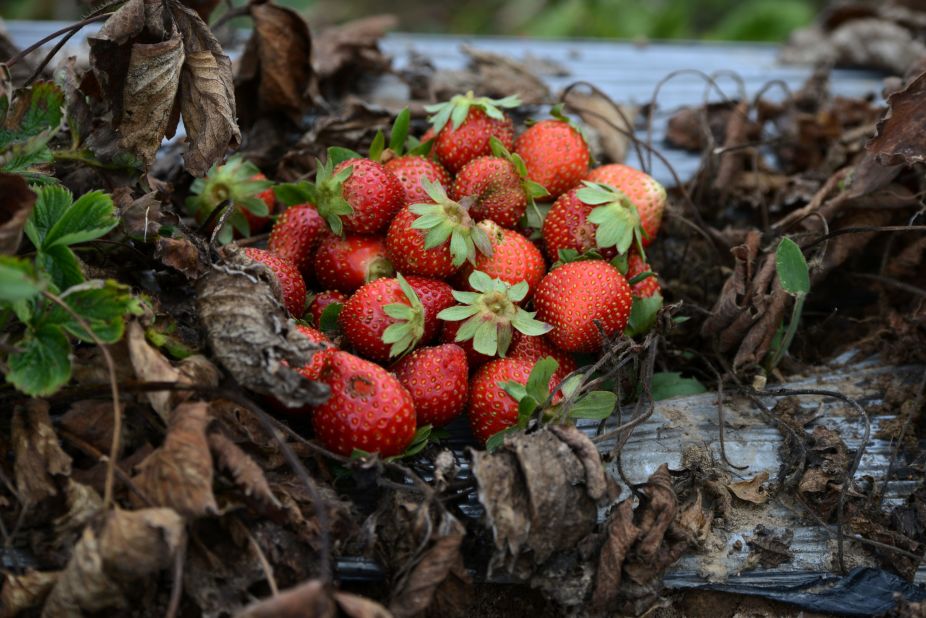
241, 182
410, 169
434, 239
312, 369
347, 263
644, 288
358, 195
492, 314
322, 300
368, 409
437, 379
533, 349
491, 409
572, 297
388, 317
514, 259
291, 283
296, 234
592, 216
464, 126
644, 192
555, 154
496, 187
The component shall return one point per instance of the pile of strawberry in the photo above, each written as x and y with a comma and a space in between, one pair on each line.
446, 272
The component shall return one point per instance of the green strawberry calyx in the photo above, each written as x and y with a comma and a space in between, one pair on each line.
616, 218
533, 190
326, 193
398, 138
446, 220
237, 180
407, 331
492, 314
457, 109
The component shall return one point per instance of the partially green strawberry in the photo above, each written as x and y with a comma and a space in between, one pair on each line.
296, 234
368, 409
465, 124
491, 409
592, 217
643, 191
321, 301
492, 314
438, 380
574, 296
389, 317
347, 263
248, 190
513, 259
434, 239
292, 286
555, 153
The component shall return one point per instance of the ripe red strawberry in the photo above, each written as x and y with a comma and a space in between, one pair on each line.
388, 317
646, 287
437, 379
312, 369
346, 264
434, 239
464, 126
491, 409
592, 216
495, 186
533, 349
410, 169
241, 182
573, 296
296, 234
292, 286
368, 409
514, 259
555, 154
322, 300
644, 192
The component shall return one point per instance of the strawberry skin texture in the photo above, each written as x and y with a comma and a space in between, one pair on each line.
437, 379
435, 296
567, 227
410, 169
405, 249
496, 185
368, 409
255, 223
296, 234
490, 408
322, 300
348, 263
447, 335
646, 194
649, 286
532, 349
514, 259
374, 193
457, 147
313, 368
291, 283
555, 154
574, 295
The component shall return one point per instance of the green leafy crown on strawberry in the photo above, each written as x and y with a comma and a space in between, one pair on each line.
400, 142
491, 314
447, 219
326, 193
615, 216
533, 190
405, 334
457, 109
237, 180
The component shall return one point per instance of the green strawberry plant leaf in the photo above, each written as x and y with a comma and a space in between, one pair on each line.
328, 195
794, 276
29, 123
498, 438
419, 442
102, 306
18, 281
41, 363
617, 222
597, 405
669, 384
328, 320
643, 314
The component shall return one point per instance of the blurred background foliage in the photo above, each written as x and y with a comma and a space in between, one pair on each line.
742, 20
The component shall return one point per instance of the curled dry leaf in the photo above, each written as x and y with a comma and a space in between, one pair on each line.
309, 599
151, 366
769, 548
40, 467
751, 490
496, 75
179, 473
246, 474
352, 48
901, 133
131, 545
607, 124
15, 208
249, 333
23, 592
141, 218
181, 254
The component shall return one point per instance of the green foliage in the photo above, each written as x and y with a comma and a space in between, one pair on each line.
669, 384
794, 275
27, 124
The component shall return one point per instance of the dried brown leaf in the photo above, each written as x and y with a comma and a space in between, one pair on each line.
179, 474
751, 490
901, 133
140, 217
91, 420
355, 606
23, 592
621, 535
310, 599
352, 47
40, 465
608, 124
183, 255
151, 366
83, 504
83, 586
15, 208
499, 75
244, 471
250, 334
769, 548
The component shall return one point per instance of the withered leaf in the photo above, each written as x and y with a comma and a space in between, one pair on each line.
901, 133
83, 504
23, 592
83, 586
308, 599
91, 421
179, 474
15, 208
355, 606
244, 471
140, 217
40, 465
751, 490
151, 366
352, 47
181, 254
770, 548
621, 535
611, 124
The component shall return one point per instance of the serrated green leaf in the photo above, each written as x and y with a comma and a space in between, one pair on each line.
668, 384
34, 110
62, 266
50, 204
460, 250
792, 268
596, 405
399, 133
460, 312
17, 280
90, 217
103, 308
41, 365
